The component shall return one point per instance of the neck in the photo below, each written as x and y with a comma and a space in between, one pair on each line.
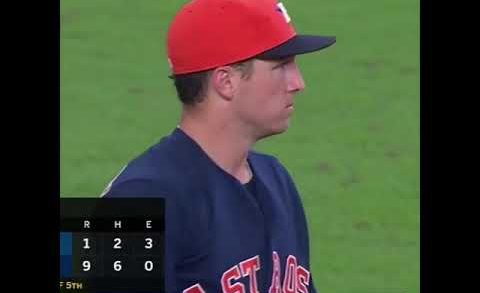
221, 141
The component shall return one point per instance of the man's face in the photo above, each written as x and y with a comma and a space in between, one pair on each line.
264, 101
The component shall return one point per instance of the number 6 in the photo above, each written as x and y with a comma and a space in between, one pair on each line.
117, 266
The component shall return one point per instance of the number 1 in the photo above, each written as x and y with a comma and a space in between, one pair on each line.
86, 246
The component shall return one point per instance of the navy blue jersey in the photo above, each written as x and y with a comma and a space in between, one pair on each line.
221, 236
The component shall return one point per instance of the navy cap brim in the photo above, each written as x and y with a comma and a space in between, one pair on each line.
299, 44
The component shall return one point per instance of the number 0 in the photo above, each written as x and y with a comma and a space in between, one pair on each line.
149, 265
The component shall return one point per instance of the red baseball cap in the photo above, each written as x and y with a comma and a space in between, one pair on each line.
206, 34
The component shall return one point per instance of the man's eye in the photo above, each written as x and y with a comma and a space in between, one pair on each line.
281, 65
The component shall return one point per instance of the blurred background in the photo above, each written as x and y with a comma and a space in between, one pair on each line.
353, 147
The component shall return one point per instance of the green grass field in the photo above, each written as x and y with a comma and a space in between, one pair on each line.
353, 144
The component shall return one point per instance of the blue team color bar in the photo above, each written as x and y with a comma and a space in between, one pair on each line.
65, 243
65, 266
65, 254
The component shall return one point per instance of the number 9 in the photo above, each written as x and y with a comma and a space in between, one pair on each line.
86, 265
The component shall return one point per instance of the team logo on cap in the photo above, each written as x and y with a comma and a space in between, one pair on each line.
281, 8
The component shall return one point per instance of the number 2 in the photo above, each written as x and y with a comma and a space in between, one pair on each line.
117, 244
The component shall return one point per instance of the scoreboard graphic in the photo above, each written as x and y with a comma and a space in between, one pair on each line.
112, 245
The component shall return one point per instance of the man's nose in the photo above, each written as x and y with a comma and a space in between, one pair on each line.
295, 80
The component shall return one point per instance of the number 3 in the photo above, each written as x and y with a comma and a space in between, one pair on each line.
149, 243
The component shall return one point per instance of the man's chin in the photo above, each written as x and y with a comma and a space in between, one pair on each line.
274, 131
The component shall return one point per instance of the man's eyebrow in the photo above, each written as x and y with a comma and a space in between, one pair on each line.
284, 61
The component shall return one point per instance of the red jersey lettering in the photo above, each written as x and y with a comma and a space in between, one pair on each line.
303, 279
249, 268
194, 289
290, 278
275, 286
227, 277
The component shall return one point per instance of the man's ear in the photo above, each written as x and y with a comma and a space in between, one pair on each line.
224, 80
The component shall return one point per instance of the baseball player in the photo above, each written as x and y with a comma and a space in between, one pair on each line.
234, 219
